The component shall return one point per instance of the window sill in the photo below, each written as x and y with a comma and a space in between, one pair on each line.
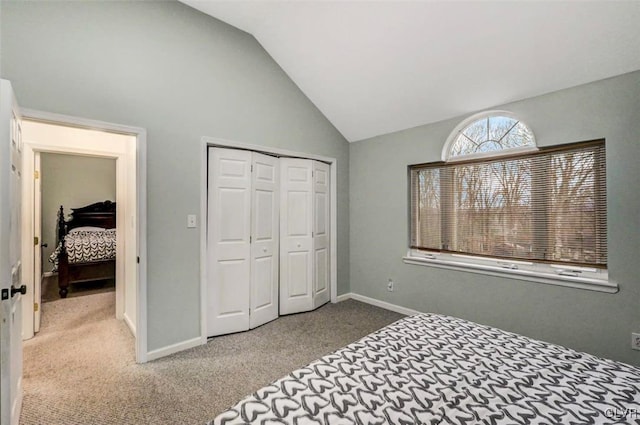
590, 284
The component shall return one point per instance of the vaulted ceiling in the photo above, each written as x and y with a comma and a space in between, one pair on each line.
374, 67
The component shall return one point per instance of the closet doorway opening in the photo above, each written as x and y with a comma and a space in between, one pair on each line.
268, 245
119, 216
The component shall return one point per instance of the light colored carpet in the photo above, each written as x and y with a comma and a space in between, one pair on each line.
80, 368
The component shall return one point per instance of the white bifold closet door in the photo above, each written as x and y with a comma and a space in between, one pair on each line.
304, 235
320, 234
242, 239
265, 244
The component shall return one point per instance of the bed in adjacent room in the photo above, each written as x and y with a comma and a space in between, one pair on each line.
434, 369
86, 249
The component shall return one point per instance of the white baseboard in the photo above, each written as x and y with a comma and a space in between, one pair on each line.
378, 303
174, 348
343, 297
130, 324
48, 274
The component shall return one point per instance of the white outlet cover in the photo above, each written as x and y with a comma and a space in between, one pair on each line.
635, 341
191, 221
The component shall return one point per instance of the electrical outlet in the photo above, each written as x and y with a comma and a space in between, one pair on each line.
191, 221
635, 341
390, 285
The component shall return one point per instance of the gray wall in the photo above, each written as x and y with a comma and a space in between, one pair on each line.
591, 321
181, 75
72, 181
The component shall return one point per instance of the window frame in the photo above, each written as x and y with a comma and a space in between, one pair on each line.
446, 150
569, 275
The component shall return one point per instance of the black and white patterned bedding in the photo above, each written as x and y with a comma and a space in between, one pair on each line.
433, 369
87, 246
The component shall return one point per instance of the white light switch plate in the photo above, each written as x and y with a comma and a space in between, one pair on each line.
191, 221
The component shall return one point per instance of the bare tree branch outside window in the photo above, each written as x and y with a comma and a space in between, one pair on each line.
545, 206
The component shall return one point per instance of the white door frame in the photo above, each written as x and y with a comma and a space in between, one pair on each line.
215, 142
37, 249
140, 135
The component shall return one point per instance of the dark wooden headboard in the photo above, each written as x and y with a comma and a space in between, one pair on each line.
100, 214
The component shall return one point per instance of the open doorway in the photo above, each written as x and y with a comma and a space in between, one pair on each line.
98, 148
84, 188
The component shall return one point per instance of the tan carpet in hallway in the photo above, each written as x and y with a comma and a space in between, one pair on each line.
80, 368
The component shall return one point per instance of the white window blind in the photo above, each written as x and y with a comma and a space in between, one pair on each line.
545, 206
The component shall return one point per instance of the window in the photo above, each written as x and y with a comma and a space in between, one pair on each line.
499, 201
497, 134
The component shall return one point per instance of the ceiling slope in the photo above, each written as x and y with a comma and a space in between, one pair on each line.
374, 67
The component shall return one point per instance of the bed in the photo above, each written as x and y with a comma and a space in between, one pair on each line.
434, 369
86, 249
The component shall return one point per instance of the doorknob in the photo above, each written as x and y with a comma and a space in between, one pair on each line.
44, 245
22, 289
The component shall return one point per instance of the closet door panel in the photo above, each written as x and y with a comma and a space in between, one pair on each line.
296, 240
228, 241
299, 264
262, 296
265, 239
228, 273
321, 214
298, 224
320, 268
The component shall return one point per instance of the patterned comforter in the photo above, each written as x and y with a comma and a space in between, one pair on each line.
433, 369
87, 246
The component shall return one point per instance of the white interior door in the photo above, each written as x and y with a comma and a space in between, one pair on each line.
265, 256
37, 248
10, 255
321, 231
296, 242
228, 241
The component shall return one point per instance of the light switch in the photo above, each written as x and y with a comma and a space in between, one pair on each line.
191, 221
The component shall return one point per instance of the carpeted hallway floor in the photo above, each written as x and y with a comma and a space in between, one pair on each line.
80, 368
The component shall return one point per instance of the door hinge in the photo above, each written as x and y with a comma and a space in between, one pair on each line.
252, 168
138, 260
36, 174
36, 307
250, 239
36, 240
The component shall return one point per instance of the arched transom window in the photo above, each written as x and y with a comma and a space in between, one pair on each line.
493, 133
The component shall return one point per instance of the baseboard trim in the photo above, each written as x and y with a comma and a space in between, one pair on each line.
343, 297
130, 324
382, 304
48, 274
174, 348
